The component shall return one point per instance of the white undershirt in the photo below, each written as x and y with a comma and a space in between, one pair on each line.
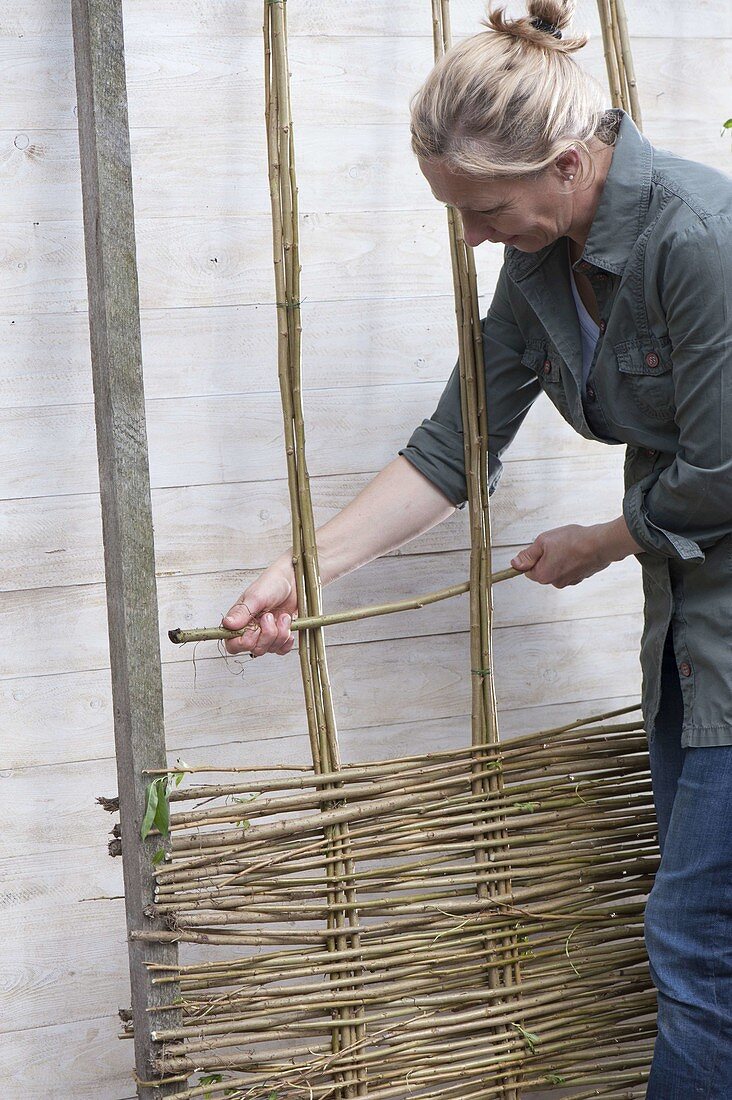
590, 332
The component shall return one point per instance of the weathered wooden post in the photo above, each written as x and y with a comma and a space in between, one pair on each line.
129, 559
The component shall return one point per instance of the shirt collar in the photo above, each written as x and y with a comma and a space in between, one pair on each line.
620, 213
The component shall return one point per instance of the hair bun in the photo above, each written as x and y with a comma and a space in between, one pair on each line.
544, 25
548, 28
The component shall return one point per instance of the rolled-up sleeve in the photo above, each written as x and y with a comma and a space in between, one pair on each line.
688, 506
436, 446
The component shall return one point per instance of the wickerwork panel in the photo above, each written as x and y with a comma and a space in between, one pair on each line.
420, 1007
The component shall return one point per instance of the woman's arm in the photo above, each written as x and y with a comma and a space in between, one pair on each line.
415, 491
399, 504
395, 507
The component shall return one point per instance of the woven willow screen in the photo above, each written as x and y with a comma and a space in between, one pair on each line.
465, 923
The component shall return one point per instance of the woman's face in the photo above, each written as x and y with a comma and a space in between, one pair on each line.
526, 214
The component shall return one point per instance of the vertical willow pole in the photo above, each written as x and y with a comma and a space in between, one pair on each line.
618, 58
351, 1082
484, 719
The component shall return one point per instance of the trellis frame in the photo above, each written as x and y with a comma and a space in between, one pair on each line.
124, 472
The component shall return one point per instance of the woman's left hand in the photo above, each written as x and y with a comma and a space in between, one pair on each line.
567, 555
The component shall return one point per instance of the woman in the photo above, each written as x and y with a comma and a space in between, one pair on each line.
614, 297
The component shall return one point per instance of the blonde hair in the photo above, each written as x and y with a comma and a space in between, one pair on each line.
509, 100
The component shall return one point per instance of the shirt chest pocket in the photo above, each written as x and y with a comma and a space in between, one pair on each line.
645, 377
542, 359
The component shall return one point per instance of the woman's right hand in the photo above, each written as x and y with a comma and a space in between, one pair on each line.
272, 599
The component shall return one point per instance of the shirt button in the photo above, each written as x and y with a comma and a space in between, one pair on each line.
652, 360
602, 326
651, 453
685, 669
547, 367
590, 393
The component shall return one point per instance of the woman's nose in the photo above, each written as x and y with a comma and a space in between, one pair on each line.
475, 233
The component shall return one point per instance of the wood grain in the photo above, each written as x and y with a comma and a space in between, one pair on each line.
53, 542
197, 261
89, 1062
49, 451
68, 715
129, 556
202, 600
364, 166
181, 80
174, 18
79, 957
230, 439
210, 351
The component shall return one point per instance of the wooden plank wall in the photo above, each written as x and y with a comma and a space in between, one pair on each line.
378, 345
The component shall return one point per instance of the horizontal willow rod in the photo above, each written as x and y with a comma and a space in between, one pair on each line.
436, 1039
559, 829
474, 1012
410, 949
467, 940
525, 744
564, 1039
210, 1017
475, 1016
551, 947
215, 633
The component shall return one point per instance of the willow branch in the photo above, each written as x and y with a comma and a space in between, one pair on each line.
202, 634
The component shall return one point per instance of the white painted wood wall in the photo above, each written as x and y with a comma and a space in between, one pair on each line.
378, 346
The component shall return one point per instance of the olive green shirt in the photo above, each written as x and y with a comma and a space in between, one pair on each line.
659, 258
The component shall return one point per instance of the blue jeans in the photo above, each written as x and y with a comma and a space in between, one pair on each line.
688, 920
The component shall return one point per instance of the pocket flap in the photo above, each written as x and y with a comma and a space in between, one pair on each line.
534, 358
635, 357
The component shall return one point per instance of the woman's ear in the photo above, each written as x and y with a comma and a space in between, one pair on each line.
568, 164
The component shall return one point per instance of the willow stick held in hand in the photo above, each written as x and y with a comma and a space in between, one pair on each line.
213, 633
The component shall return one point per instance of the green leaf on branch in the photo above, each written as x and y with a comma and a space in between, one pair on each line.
530, 1037
210, 1079
244, 823
157, 807
153, 792
162, 813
